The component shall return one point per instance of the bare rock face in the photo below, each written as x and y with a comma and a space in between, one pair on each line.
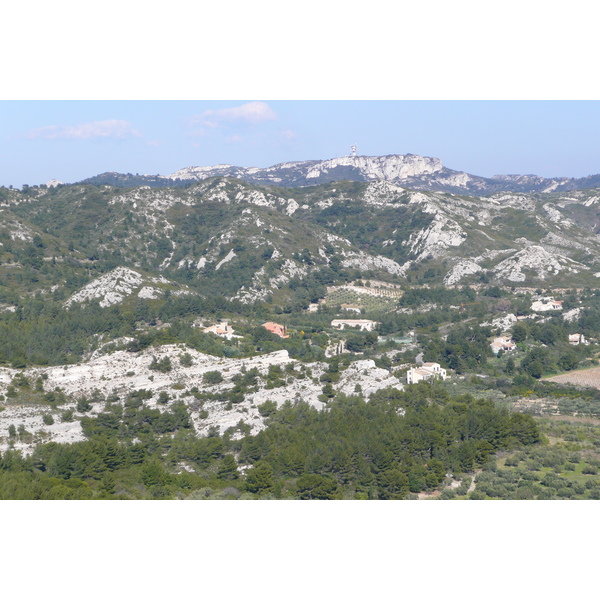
573, 314
394, 167
537, 259
388, 168
53, 183
118, 373
382, 193
370, 378
440, 235
113, 287
366, 262
197, 173
460, 270
504, 323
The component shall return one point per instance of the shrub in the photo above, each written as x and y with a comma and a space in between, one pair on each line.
185, 360
267, 408
163, 365
476, 495
83, 405
67, 416
212, 377
448, 494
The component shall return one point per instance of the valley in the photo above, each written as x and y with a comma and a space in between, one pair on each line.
252, 334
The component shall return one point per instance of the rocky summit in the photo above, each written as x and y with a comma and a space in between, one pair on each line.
414, 171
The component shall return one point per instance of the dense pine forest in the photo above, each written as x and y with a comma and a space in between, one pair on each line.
397, 444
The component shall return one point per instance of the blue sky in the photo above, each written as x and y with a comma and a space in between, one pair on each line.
72, 140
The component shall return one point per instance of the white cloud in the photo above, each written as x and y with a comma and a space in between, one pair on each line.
251, 112
112, 128
288, 134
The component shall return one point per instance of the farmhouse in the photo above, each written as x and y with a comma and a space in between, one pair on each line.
502, 343
275, 328
426, 371
362, 324
577, 338
223, 330
544, 304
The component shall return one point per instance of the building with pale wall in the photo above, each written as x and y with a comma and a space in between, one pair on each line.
223, 330
577, 338
546, 304
503, 343
428, 370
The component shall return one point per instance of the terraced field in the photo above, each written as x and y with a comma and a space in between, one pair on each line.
584, 377
367, 298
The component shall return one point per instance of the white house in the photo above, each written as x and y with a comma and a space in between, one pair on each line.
502, 343
223, 330
577, 338
545, 304
426, 371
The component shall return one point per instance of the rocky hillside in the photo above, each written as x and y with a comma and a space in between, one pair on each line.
121, 283
122, 374
227, 237
417, 172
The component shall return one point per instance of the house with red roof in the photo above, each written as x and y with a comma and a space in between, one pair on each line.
275, 328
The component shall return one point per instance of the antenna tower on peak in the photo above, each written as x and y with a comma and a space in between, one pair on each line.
353, 149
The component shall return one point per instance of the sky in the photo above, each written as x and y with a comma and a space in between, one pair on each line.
71, 140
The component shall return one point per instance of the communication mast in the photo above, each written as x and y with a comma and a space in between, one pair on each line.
353, 149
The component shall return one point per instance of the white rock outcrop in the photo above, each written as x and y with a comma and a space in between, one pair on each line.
441, 234
122, 372
366, 262
461, 269
538, 260
113, 287
503, 323
390, 167
370, 378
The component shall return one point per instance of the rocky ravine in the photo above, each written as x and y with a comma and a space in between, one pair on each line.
123, 372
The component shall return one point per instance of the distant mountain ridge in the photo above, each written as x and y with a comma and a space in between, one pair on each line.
408, 170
